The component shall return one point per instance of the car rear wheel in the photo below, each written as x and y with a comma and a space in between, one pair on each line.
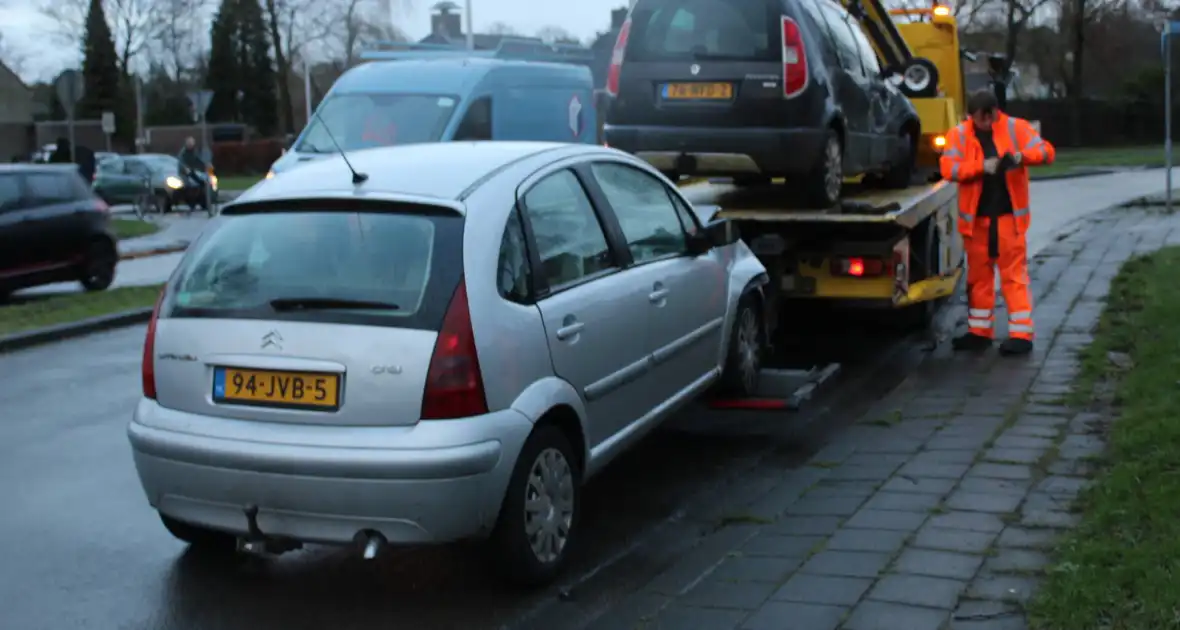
199, 537
743, 361
827, 176
539, 515
98, 268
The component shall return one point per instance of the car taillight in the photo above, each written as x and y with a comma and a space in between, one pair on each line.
616, 59
148, 369
454, 384
858, 267
794, 59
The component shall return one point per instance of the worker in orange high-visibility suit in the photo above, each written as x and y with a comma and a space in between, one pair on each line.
989, 155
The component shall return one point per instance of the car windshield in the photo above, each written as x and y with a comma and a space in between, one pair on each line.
361, 121
381, 268
674, 30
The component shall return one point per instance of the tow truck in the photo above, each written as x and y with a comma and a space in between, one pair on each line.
896, 251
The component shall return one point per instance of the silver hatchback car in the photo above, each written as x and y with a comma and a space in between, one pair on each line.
445, 350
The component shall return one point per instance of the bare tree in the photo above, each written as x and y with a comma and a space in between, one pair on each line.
181, 34
10, 56
355, 23
500, 28
556, 35
134, 24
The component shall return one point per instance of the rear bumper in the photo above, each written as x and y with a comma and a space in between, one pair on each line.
442, 481
770, 152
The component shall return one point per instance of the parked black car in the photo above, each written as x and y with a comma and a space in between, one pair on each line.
52, 229
756, 89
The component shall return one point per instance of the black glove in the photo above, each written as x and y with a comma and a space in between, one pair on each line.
1007, 163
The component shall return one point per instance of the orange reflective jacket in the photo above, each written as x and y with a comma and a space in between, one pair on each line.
962, 162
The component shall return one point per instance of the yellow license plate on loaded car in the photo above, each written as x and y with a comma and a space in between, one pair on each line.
698, 91
270, 388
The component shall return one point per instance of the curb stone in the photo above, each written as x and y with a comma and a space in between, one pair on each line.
61, 332
155, 251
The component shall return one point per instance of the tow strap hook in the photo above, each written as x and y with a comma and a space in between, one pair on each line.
257, 543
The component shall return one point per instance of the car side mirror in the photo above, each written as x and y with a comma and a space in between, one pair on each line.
717, 233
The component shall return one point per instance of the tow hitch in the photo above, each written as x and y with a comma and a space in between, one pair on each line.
257, 543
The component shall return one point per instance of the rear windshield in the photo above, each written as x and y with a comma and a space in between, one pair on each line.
362, 121
370, 268
701, 30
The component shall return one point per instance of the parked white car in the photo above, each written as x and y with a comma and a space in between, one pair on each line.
446, 350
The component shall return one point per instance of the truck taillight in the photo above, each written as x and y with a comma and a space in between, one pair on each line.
454, 383
859, 267
794, 59
616, 59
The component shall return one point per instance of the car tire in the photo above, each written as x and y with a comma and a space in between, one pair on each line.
199, 537
98, 267
823, 183
743, 357
548, 464
901, 172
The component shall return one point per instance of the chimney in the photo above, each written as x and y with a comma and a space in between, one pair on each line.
617, 17
446, 20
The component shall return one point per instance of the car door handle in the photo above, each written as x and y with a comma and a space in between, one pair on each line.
657, 295
569, 330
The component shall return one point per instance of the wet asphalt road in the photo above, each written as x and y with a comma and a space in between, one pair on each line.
82, 549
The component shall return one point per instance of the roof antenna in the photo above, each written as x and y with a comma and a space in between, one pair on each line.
358, 178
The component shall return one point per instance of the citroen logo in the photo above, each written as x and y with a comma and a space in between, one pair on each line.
694, 69
272, 339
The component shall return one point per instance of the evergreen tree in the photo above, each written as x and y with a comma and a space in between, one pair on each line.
100, 73
259, 100
222, 75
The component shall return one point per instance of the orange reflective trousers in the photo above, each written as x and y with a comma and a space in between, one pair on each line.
1012, 260
962, 162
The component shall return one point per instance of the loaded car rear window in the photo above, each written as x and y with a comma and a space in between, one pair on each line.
702, 30
369, 268
362, 121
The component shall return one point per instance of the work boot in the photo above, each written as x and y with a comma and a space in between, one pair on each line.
971, 342
1012, 347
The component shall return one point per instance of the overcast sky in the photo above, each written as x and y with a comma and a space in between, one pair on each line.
26, 30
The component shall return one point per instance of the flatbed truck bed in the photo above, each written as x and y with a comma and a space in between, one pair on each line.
878, 248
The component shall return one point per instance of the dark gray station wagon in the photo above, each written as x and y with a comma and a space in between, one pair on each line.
755, 89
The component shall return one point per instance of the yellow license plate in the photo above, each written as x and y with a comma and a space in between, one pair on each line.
305, 390
699, 91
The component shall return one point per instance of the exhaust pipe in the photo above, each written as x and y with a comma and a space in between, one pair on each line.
373, 541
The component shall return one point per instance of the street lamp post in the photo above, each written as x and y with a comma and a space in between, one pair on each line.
470, 28
1170, 29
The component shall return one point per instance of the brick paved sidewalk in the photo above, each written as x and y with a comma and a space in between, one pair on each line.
933, 511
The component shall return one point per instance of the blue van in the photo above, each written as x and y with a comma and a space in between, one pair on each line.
382, 103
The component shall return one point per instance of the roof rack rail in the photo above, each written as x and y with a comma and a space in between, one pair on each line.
514, 48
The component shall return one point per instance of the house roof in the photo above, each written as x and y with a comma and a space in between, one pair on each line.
12, 73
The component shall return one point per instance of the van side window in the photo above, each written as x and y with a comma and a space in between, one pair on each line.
477, 122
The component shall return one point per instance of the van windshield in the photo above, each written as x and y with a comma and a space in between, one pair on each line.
674, 30
363, 121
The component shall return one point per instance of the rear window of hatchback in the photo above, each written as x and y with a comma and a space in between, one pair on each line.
396, 267
703, 30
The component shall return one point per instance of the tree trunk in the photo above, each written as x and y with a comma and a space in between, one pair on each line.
1076, 89
1013, 32
284, 68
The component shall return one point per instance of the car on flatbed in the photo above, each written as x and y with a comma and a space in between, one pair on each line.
759, 89
431, 343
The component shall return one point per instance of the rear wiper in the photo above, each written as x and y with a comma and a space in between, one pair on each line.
300, 303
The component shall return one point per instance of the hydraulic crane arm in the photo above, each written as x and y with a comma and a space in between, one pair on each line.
882, 32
